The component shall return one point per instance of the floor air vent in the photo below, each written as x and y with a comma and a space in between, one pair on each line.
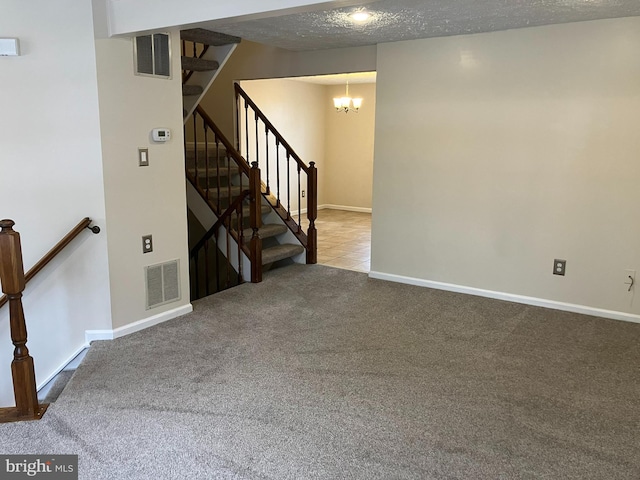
163, 285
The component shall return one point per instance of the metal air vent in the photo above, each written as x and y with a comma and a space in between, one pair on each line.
162, 283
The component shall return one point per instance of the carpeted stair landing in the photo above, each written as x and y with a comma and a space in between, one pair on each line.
320, 373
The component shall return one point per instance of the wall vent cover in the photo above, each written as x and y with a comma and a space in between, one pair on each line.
152, 55
162, 283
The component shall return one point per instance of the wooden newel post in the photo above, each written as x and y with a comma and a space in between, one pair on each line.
255, 187
13, 282
312, 213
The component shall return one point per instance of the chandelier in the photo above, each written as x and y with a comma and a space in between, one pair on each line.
346, 103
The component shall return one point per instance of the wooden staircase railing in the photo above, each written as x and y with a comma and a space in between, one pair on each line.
211, 157
13, 282
259, 141
233, 215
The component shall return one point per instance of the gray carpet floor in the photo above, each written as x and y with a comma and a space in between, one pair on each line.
320, 373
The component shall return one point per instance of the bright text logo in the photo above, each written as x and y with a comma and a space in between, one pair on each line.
51, 467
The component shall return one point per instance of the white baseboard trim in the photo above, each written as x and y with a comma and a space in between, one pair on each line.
509, 297
294, 213
44, 382
344, 207
91, 335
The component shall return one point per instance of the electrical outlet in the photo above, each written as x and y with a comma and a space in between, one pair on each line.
302, 193
147, 244
143, 157
630, 279
559, 267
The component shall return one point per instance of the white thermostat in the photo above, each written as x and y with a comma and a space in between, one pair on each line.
9, 47
161, 134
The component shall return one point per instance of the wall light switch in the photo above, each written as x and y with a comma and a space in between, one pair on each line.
143, 157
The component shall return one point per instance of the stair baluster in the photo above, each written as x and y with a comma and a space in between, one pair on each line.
289, 160
278, 172
266, 150
288, 185
312, 213
256, 221
299, 201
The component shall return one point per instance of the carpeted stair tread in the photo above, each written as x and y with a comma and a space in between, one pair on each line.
198, 64
266, 231
201, 35
280, 252
212, 171
191, 90
224, 191
221, 151
246, 211
264, 209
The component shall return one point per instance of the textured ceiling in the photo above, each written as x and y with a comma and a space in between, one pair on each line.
395, 20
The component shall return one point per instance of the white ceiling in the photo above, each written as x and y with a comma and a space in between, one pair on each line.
395, 20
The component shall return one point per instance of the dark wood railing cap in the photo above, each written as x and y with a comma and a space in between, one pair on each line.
7, 224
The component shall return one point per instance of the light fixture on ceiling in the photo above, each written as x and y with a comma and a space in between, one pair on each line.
346, 104
360, 16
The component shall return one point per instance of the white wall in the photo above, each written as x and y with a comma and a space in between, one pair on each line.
348, 179
50, 166
496, 153
141, 200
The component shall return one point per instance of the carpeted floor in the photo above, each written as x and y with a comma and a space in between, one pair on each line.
320, 373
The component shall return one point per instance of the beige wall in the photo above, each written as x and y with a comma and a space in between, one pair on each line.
349, 149
497, 153
297, 111
141, 200
340, 144
252, 61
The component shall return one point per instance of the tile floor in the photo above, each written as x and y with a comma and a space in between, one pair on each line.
344, 239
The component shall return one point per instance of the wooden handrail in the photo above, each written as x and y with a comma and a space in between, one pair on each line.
269, 125
221, 221
50, 255
281, 203
231, 150
233, 157
13, 282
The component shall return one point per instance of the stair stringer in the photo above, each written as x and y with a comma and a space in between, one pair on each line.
207, 218
219, 54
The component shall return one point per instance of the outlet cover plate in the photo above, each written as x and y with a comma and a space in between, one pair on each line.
147, 244
559, 267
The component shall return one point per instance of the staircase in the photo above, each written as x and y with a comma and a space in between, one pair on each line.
204, 53
241, 226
